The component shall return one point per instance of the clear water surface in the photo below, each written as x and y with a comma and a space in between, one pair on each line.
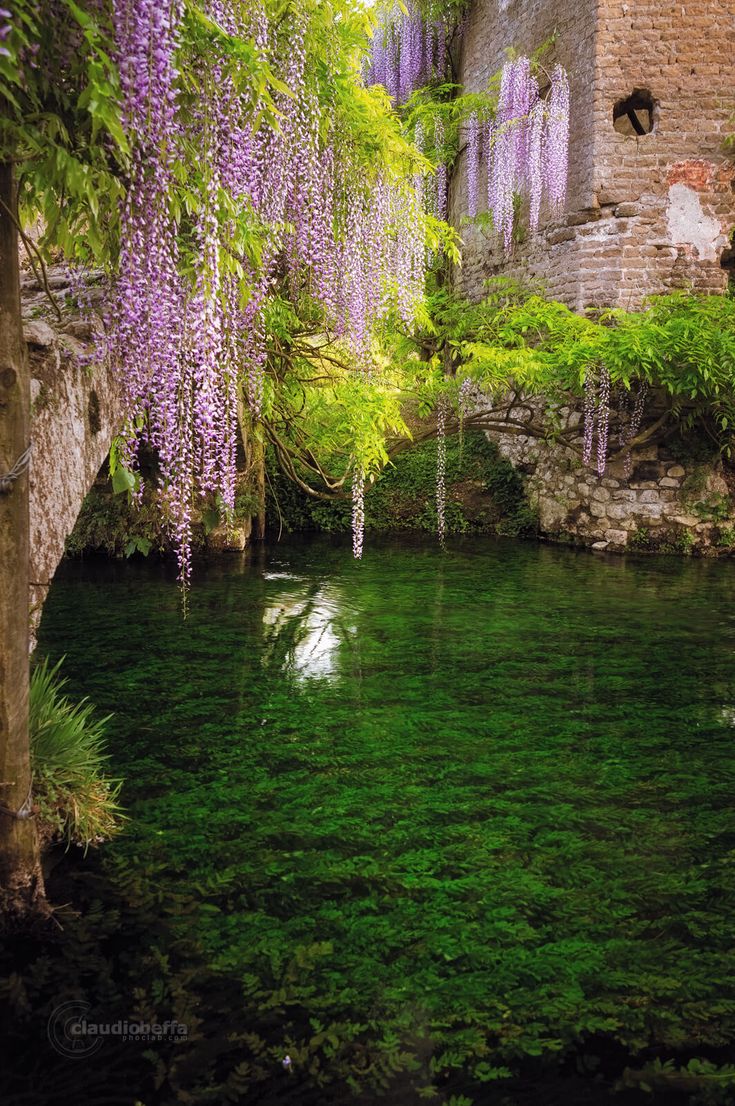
476, 806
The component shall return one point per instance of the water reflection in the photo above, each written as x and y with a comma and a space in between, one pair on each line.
304, 627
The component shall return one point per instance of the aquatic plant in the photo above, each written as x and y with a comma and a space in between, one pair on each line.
452, 861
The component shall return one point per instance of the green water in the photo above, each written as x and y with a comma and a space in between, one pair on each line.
447, 819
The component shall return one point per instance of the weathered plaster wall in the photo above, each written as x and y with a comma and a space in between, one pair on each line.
644, 214
76, 412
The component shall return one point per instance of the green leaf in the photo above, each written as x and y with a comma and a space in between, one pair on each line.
123, 480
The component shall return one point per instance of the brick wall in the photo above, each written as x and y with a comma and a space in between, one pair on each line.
644, 214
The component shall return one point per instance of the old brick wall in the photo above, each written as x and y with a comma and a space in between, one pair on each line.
644, 214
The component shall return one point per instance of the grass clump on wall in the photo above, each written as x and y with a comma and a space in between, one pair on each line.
77, 802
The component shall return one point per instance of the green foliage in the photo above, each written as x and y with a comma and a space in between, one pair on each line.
76, 799
682, 345
484, 493
515, 342
666, 540
112, 524
64, 134
714, 508
702, 1082
725, 537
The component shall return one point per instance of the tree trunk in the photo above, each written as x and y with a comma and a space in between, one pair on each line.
258, 447
254, 449
21, 882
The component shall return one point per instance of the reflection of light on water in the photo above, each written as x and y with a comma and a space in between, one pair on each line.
304, 630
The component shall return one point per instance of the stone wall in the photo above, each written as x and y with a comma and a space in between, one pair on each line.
644, 214
665, 503
75, 413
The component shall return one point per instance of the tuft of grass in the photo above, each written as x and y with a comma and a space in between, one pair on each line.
77, 802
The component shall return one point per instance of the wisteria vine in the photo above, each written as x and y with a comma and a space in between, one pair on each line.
441, 468
349, 240
526, 148
525, 144
408, 51
596, 418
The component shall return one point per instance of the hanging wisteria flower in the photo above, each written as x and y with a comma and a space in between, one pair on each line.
603, 418
358, 512
557, 138
635, 423
441, 169
6, 28
473, 164
441, 468
527, 146
464, 396
331, 228
590, 412
407, 51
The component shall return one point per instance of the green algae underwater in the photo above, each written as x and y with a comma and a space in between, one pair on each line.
438, 827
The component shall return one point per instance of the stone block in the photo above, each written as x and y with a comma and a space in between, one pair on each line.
648, 510
676, 471
649, 496
617, 537
601, 493
669, 482
645, 472
38, 333
626, 495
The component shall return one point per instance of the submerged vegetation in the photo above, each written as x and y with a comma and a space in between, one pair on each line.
407, 823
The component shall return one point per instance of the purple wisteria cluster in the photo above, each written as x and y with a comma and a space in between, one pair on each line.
358, 512
441, 468
6, 28
329, 230
597, 410
408, 52
632, 423
473, 165
526, 148
596, 416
